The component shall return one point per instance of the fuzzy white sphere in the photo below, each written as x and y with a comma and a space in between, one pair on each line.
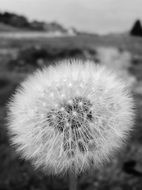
69, 116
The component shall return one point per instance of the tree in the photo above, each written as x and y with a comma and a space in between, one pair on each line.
136, 29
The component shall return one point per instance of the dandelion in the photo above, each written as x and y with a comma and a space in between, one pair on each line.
68, 116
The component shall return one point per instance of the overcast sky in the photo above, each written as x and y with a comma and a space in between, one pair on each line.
98, 16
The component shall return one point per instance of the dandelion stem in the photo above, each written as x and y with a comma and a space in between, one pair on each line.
72, 181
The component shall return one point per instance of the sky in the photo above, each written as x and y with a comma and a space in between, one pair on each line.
95, 16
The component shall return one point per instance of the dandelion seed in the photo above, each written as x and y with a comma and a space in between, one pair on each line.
70, 102
81, 85
70, 85
56, 106
62, 109
52, 95
71, 125
62, 96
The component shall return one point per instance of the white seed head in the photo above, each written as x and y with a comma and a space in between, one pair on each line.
71, 128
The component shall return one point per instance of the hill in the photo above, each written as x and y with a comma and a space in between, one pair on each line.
13, 22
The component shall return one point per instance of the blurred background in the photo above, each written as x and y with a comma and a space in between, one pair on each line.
35, 33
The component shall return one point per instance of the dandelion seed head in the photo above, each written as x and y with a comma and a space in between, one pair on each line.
66, 116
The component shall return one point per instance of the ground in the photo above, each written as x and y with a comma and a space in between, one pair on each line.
119, 173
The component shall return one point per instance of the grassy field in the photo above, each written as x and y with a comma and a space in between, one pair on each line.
119, 173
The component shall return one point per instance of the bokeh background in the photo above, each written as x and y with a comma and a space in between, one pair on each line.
35, 33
